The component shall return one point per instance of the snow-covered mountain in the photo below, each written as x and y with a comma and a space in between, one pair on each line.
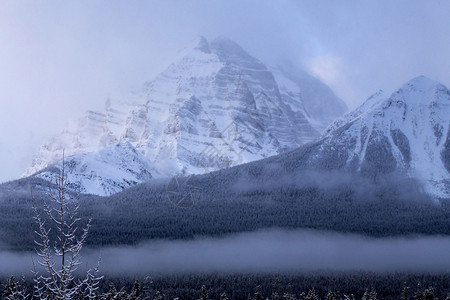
405, 133
107, 171
215, 107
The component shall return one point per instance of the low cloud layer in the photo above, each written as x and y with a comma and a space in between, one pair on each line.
264, 251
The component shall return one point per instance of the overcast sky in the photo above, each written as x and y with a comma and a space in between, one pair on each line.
60, 58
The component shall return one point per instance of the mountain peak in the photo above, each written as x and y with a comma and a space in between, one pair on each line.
225, 42
421, 80
215, 106
230, 52
201, 43
420, 91
220, 43
421, 84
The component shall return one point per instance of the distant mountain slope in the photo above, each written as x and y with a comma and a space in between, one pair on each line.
404, 134
213, 108
407, 132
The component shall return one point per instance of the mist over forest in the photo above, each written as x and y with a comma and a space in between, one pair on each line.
263, 251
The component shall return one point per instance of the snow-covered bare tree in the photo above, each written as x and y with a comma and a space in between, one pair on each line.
61, 257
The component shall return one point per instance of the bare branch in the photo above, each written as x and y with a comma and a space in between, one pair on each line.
62, 211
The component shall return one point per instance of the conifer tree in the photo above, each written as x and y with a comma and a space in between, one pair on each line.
78, 294
135, 291
366, 295
258, 294
122, 294
373, 294
370, 295
429, 294
10, 289
13, 290
204, 295
419, 294
312, 295
111, 294
405, 292
158, 296
289, 295
275, 293
330, 296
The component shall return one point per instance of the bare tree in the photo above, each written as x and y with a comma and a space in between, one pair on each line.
61, 258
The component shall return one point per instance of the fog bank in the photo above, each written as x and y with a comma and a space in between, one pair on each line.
264, 251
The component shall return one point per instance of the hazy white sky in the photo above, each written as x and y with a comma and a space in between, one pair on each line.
60, 58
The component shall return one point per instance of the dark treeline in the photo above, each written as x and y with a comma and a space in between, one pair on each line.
204, 207
297, 286
242, 285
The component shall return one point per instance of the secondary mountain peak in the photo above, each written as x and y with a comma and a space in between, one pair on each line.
408, 132
421, 81
421, 91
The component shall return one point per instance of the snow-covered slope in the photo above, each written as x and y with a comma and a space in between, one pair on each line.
105, 172
215, 107
406, 132
318, 102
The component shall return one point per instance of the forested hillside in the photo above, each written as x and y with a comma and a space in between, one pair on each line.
164, 210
